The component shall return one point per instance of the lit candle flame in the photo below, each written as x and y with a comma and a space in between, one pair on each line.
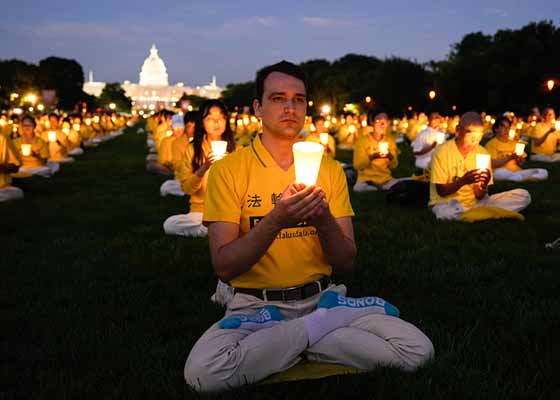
519, 149
383, 148
482, 161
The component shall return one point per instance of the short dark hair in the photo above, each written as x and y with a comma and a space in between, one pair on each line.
317, 118
498, 123
284, 67
191, 116
27, 117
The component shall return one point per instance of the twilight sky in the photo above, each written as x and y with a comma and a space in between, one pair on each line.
233, 38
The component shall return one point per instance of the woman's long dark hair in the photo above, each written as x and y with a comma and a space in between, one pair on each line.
200, 132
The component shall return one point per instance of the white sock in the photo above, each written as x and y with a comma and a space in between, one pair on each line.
335, 311
265, 317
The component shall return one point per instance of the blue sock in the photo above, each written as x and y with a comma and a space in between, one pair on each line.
361, 305
265, 317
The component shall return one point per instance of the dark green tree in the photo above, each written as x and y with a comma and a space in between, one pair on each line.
66, 77
114, 93
239, 95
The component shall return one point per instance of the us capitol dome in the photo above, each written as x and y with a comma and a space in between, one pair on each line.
153, 91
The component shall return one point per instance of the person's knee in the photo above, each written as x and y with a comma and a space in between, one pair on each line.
524, 196
198, 373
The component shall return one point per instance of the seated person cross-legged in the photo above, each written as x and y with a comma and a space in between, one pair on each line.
277, 243
506, 163
193, 173
34, 151
374, 157
183, 130
9, 164
546, 139
456, 182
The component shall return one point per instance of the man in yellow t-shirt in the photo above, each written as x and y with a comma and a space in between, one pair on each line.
546, 139
9, 164
506, 164
373, 162
276, 243
456, 182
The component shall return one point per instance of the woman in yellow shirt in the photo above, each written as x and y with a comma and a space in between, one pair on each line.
193, 171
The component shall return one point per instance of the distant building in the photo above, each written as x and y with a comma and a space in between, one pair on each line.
153, 91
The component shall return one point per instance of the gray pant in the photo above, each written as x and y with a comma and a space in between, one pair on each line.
226, 358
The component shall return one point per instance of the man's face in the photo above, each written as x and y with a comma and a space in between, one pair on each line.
502, 131
435, 122
284, 105
53, 122
468, 137
380, 126
27, 128
549, 115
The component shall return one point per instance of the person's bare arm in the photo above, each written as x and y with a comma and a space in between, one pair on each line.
542, 139
446, 189
499, 163
337, 241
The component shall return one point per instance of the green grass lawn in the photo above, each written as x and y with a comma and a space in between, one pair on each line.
98, 303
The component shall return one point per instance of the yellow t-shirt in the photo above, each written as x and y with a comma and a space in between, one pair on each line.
378, 170
178, 149
39, 147
499, 150
191, 183
165, 155
8, 155
244, 187
549, 146
447, 165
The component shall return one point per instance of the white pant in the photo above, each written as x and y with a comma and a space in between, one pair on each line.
185, 225
546, 158
226, 358
422, 163
64, 160
78, 151
532, 174
151, 157
512, 200
366, 187
46, 171
171, 187
10, 193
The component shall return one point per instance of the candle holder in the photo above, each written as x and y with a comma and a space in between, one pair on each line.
307, 161
26, 150
383, 148
219, 148
519, 149
482, 161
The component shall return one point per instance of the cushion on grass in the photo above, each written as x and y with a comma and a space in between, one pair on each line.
310, 370
486, 212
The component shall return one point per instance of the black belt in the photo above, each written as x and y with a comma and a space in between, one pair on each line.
288, 294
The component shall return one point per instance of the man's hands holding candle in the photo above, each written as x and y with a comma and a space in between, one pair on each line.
300, 203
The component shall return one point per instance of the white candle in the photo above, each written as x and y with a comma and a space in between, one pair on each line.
66, 131
169, 133
307, 161
219, 148
52, 136
557, 125
440, 137
511, 134
519, 149
364, 124
26, 149
324, 137
482, 161
352, 129
383, 148
76, 127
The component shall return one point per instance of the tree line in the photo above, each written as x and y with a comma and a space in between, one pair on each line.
493, 73
504, 71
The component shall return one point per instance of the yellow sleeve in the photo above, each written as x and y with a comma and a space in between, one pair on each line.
190, 182
41, 148
439, 172
361, 156
221, 201
165, 156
